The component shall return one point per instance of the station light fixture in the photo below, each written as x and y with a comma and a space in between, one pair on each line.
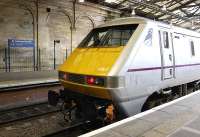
56, 41
164, 8
81, 1
110, 1
133, 12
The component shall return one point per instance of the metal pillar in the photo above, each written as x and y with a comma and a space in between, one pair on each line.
37, 33
9, 59
6, 60
73, 23
54, 53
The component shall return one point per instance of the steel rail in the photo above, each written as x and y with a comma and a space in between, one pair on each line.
26, 112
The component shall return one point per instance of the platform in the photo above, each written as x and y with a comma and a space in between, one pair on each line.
13, 79
179, 118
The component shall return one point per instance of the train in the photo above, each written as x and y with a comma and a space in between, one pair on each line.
126, 66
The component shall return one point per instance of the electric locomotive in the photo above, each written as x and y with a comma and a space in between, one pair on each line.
126, 66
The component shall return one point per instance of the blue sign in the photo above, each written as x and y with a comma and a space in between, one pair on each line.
14, 43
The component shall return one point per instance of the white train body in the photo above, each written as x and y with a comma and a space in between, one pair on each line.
148, 66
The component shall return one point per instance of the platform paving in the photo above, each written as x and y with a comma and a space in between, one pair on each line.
180, 118
12, 79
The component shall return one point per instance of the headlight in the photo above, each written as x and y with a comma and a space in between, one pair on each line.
91, 80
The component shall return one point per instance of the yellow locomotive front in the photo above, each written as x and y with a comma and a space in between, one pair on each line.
86, 71
85, 74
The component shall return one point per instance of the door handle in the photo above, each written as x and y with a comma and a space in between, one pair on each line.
170, 57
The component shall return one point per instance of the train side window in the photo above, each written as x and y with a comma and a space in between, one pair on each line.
165, 39
192, 48
148, 38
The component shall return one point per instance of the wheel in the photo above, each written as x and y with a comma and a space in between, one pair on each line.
151, 103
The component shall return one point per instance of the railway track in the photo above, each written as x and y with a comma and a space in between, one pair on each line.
26, 112
30, 112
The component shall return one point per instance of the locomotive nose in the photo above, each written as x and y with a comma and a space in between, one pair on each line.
91, 61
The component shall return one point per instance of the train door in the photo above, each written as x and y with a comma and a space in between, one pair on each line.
167, 55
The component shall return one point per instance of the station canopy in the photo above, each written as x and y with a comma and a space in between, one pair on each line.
184, 13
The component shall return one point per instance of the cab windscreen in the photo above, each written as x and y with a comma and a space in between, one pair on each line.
109, 36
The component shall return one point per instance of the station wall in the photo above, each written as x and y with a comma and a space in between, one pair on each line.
16, 23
